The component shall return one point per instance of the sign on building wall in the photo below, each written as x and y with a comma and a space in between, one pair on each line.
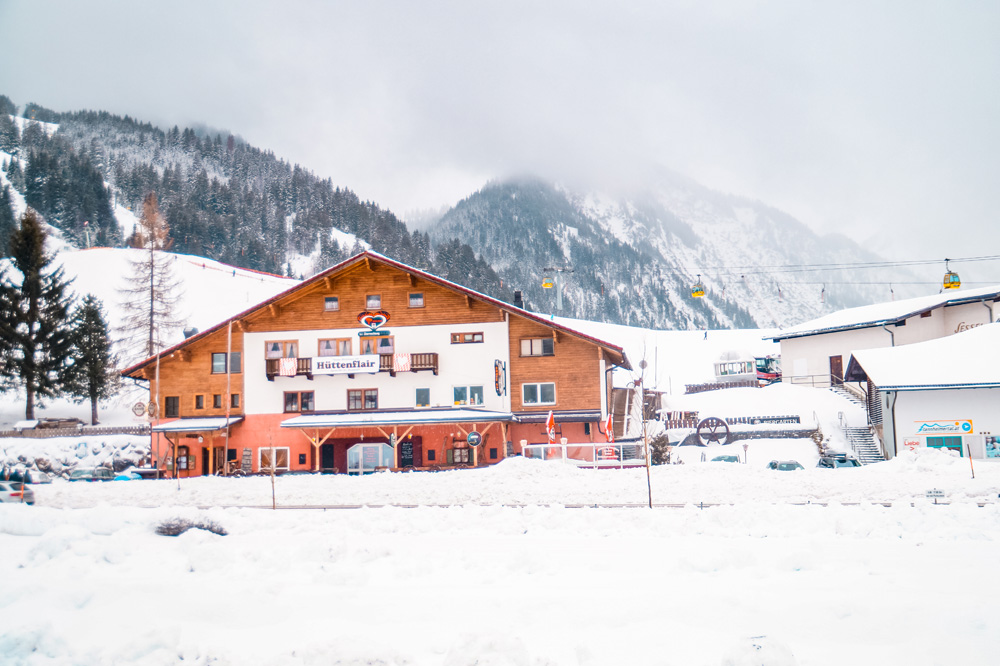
958, 427
345, 365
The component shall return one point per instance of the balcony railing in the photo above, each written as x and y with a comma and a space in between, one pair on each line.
426, 361
303, 366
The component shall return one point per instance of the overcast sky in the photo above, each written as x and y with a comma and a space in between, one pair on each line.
877, 119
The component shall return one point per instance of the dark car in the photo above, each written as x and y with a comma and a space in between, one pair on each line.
92, 474
734, 459
16, 492
784, 465
834, 461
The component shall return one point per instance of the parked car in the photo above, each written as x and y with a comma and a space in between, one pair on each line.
92, 474
15, 492
784, 465
838, 460
734, 459
37, 476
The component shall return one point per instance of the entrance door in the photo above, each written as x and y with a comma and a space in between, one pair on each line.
326, 458
836, 370
365, 458
206, 469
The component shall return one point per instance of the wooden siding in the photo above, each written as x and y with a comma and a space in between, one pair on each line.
188, 372
304, 309
575, 368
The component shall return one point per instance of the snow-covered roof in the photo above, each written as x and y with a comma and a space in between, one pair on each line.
616, 352
891, 312
408, 417
970, 359
207, 424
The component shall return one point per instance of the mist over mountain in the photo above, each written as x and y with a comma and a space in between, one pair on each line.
621, 258
633, 259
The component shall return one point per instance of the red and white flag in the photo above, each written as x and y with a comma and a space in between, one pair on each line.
401, 362
288, 367
609, 429
550, 427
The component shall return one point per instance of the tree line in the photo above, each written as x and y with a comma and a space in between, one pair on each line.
221, 197
50, 345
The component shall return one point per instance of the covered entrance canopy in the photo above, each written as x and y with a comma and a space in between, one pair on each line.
394, 425
182, 461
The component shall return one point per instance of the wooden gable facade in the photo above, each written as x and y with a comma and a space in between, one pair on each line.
508, 365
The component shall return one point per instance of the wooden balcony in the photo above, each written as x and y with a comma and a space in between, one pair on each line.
303, 366
428, 361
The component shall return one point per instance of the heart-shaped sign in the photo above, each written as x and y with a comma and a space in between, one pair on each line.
373, 319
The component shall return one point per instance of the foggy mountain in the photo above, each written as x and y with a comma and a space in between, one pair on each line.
634, 259
623, 259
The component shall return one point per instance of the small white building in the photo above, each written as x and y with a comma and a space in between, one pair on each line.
815, 352
942, 393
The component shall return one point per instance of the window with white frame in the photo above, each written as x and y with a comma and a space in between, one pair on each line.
468, 395
281, 457
538, 394
537, 347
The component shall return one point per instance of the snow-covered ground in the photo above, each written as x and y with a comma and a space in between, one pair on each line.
508, 574
526, 563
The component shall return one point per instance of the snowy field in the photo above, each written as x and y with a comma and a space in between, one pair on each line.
507, 570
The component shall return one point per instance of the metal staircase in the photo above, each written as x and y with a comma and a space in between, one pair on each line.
864, 445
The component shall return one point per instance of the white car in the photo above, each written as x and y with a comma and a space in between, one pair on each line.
15, 492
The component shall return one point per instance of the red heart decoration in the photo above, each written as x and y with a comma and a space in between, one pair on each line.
373, 319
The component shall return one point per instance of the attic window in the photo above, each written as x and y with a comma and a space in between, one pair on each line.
373, 301
331, 303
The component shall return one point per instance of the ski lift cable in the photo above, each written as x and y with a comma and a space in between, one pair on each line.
768, 268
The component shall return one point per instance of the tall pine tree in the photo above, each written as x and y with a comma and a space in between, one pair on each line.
35, 332
150, 296
93, 374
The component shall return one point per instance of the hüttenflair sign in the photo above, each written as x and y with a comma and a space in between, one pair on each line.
345, 365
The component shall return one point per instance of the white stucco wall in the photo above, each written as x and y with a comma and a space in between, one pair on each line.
810, 355
458, 365
947, 407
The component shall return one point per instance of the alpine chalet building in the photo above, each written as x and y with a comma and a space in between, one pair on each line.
373, 364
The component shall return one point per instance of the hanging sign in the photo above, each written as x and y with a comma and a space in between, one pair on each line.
500, 374
345, 365
475, 438
373, 320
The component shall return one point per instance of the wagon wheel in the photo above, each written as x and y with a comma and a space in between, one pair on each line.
713, 430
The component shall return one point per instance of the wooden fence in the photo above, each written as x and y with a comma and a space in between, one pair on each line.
86, 431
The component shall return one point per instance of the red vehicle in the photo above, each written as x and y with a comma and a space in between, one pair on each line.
768, 369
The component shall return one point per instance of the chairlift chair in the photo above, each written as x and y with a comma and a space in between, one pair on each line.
951, 279
698, 290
